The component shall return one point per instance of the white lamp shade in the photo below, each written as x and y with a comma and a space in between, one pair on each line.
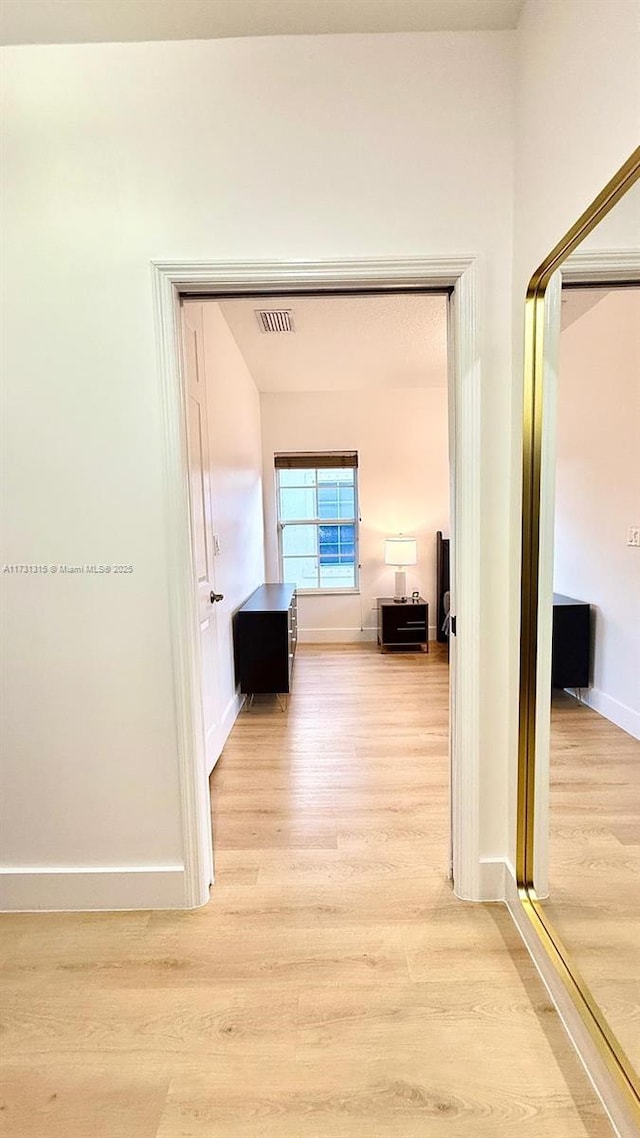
401, 551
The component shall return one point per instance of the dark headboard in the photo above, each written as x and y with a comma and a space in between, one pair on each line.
442, 583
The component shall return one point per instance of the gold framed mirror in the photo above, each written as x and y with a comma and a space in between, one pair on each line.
554, 936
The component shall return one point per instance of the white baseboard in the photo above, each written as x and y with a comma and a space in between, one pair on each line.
67, 889
231, 713
336, 635
344, 635
229, 716
616, 712
605, 1086
488, 879
493, 872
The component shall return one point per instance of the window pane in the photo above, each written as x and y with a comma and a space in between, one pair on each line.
336, 501
334, 576
336, 545
300, 571
300, 540
327, 533
328, 509
297, 477
346, 503
328, 502
297, 504
327, 543
340, 474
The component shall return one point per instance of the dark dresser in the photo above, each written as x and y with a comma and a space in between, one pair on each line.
265, 635
403, 624
571, 643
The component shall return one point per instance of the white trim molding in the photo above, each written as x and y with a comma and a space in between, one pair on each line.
336, 635
187, 686
604, 266
465, 399
608, 1091
86, 888
227, 720
493, 875
459, 274
612, 709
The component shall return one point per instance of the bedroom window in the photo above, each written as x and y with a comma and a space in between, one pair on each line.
317, 501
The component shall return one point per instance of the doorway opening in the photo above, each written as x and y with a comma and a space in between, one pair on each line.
317, 431
246, 287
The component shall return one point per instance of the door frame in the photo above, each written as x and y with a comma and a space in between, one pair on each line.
173, 279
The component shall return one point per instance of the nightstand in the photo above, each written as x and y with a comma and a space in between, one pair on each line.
404, 624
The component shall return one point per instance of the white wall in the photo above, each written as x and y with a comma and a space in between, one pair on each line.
272, 148
598, 493
578, 120
578, 115
320, 147
402, 444
235, 451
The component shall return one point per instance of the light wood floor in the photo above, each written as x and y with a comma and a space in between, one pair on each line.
595, 858
333, 987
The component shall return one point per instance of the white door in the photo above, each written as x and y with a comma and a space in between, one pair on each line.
202, 523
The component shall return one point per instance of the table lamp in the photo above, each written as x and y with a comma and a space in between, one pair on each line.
400, 551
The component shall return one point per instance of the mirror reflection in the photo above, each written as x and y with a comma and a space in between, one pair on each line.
593, 424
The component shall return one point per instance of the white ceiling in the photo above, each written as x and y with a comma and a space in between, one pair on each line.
345, 343
97, 21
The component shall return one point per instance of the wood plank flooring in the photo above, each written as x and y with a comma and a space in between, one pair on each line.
595, 858
333, 987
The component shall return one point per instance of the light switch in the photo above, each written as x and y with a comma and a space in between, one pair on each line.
216, 544
633, 535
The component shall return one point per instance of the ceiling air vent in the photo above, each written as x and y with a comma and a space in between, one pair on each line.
274, 320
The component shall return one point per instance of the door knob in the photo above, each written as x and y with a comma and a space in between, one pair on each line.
216, 597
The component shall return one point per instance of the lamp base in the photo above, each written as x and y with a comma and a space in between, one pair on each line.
400, 596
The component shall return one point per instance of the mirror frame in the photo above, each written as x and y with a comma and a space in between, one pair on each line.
594, 1020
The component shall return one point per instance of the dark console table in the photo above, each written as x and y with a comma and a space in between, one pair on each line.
265, 639
571, 643
403, 624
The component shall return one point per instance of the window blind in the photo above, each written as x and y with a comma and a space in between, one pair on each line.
327, 460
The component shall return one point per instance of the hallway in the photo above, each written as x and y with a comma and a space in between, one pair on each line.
333, 988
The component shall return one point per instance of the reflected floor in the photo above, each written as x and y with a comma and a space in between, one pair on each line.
595, 858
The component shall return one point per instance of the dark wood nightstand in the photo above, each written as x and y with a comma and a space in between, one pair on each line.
403, 624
